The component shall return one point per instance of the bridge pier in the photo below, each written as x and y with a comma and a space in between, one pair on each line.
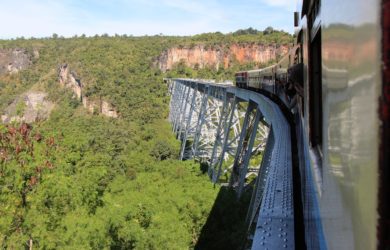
209, 125
223, 143
244, 149
188, 120
199, 123
183, 112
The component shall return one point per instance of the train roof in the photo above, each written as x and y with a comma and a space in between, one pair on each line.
262, 69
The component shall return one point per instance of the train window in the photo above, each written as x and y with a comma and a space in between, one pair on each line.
315, 92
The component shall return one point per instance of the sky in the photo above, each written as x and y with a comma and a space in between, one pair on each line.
42, 18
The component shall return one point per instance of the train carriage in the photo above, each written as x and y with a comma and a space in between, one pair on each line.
339, 71
241, 79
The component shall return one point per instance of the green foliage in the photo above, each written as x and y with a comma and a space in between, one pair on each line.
268, 30
225, 227
20, 107
220, 75
102, 189
249, 31
83, 181
250, 35
25, 160
162, 150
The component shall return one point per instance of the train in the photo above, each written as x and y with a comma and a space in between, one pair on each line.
335, 85
269, 78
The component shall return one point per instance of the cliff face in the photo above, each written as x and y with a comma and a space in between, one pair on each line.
99, 106
14, 60
219, 56
69, 79
29, 107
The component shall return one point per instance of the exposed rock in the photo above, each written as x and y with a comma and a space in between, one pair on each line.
29, 107
70, 80
63, 74
99, 106
13, 60
108, 110
36, 53
92, 107
217, 56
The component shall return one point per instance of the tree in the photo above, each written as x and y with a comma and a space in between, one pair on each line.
162, 151
21, 169
268, 30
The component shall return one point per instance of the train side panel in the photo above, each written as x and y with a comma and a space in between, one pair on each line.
255, 79
340, 145
335, 69
352, 122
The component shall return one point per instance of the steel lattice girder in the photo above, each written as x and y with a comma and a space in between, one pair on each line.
199, 123
191, 123
244, 149
227, 137
209, 127
271, 205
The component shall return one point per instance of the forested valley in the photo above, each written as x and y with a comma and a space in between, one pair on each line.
80, 180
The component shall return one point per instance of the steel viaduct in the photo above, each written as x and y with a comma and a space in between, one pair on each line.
227, 127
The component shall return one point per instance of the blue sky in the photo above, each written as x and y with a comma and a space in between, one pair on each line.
42, 18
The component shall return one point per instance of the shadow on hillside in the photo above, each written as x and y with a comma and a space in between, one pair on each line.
225, 227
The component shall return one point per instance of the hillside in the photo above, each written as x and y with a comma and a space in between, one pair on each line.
80, 179
221, 56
